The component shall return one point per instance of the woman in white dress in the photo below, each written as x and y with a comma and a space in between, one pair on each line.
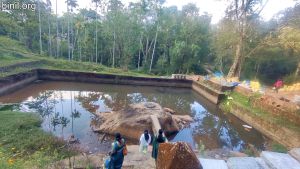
145, 141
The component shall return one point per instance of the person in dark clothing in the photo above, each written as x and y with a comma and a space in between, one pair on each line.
117, 156
156, 141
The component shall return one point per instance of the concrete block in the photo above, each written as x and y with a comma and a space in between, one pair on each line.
279, 160
295, 153
243, 163
213, 164
262, 163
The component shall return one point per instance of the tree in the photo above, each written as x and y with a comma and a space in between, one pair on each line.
242, 11
49, 5
96, 31
40, 27
157, 6
57, 37
289, 36
71, 4
289, 39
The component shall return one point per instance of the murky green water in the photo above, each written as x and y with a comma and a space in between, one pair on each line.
66, 109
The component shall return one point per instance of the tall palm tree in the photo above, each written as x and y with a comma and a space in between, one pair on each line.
40, 27
48, 4
71, 4
57, 46
96, 32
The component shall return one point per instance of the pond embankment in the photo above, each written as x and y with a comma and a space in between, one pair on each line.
17, 81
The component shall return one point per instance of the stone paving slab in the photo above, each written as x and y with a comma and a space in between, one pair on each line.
213, 164
295, 153
262, 163
279, 160
243, 163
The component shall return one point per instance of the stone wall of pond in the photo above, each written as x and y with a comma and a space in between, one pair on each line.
57, 75
208, 92
17, 81
14, 82
282, 135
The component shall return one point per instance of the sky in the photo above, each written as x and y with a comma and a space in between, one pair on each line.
216, 8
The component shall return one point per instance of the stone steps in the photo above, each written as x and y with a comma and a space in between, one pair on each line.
243, 163
280, 160
213, 164
262, 163
136, 160
295, 153
267, 160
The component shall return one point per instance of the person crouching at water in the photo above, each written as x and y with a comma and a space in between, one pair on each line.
156, 141
145, 141
117, 154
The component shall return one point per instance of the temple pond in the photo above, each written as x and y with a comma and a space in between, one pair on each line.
67, 108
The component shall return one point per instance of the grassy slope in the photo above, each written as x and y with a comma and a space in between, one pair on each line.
23, 144
14, 52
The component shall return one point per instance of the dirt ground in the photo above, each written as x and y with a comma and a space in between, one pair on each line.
287, 95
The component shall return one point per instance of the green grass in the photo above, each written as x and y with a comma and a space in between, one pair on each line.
14, 52
9, 43
59, 64
23, 144
276, 147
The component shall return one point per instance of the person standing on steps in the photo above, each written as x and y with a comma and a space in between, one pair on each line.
119, 150
156, 141
145, 141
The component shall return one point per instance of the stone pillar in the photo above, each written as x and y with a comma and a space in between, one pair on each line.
177, 155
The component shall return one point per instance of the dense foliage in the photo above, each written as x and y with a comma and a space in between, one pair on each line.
149, 37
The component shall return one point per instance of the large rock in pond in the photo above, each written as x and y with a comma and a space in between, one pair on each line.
134, 119
177, 155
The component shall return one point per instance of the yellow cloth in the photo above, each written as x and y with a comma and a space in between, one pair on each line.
255, 86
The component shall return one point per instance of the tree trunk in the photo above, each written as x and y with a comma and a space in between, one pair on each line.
57, 46
233, 72
153, 49
40, 27
72, 38
146, 50
139, 62
101, 56
96, 45
69, 49
297, 73
114, 48
80, 54
85, 44
49, 35
62, 33
236, 67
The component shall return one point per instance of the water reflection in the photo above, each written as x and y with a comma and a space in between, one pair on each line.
67, 109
